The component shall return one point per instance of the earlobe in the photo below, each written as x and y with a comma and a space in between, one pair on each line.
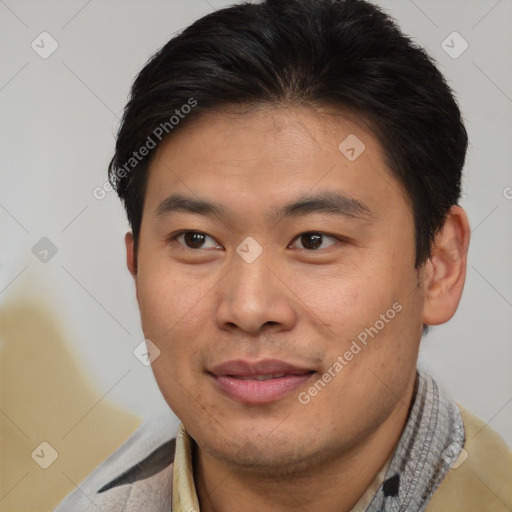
131, 261
445, 272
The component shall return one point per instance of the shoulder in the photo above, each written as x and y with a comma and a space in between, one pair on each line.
481, 479
143, 462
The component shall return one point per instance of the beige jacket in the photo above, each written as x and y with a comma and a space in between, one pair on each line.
483, 481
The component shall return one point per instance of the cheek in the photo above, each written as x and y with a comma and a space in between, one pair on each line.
374, 308
175, 312
347, 301
168, 303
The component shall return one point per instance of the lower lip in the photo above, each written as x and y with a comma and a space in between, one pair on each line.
260, 391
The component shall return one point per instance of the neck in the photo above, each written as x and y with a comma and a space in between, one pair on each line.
334, 482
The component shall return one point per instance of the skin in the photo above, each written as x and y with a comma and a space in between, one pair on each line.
204, 306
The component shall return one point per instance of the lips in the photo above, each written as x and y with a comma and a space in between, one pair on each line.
267, 376
241, 368
259, 382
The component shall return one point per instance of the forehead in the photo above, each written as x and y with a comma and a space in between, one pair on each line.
266, 155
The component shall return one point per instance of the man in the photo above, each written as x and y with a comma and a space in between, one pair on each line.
291, 172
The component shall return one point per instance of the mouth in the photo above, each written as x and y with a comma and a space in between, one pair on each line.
259, 382
260, 377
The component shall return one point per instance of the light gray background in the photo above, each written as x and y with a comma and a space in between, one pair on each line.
58, 120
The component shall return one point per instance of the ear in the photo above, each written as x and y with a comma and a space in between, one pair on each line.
445, 270
131, 260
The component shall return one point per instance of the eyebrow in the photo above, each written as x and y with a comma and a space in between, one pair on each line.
333, 203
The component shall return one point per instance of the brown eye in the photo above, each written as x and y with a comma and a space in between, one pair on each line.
195, 240
313, 240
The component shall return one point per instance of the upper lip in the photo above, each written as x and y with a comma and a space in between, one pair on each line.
242, 368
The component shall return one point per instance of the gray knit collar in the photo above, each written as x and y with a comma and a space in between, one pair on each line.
430, 444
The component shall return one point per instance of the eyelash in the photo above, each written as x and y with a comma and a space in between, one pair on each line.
173, 238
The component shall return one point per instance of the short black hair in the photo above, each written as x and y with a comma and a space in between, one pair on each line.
342, 53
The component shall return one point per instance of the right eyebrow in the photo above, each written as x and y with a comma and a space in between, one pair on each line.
178, 202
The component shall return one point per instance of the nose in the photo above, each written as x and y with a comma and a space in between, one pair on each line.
254, 297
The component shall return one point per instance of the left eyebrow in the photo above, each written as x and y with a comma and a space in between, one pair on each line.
333, 203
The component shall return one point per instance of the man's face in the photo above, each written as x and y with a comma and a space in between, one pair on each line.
324, 279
